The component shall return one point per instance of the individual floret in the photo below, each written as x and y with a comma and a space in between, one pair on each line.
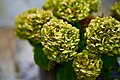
60, 40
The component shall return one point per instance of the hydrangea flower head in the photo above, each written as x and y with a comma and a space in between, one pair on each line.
115, 9
103, 36
94, 5
73, 10
60, 40
29, 23
87, 65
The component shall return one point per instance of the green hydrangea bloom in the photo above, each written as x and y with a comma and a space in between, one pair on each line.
94, 5
51, 5
60, 40
73, 10
29, 23
87, 66
103, 36
70, 10
115, 9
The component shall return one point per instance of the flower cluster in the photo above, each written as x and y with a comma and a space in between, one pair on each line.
87, 65
103, 36
70, 10
52, 5
57, 34
29, 23
60, 40
94, 5
115, 10
73, 10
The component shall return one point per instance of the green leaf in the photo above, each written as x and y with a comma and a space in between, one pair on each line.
41, 59
66, 72
34, 43
108, 61
105, 75
81, 44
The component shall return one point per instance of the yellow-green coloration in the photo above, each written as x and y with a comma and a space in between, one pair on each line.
87, 65
103, 36
115, 10
94, 5
51, 5
28, 24
73, 10
60, 40
70, 10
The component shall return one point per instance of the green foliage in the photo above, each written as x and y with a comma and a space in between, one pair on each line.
34, 43
66, 72
41, 59
81, 44
103, 36
108, 61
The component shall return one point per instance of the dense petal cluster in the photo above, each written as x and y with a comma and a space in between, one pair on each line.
103, 36
73, 10
115, 9
51, 5
60, 40
87, 65
94, 5
29, 23
70, 10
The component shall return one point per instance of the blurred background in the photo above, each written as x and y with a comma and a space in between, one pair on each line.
16, 56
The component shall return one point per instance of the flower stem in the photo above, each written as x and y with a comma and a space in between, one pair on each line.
81, 45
